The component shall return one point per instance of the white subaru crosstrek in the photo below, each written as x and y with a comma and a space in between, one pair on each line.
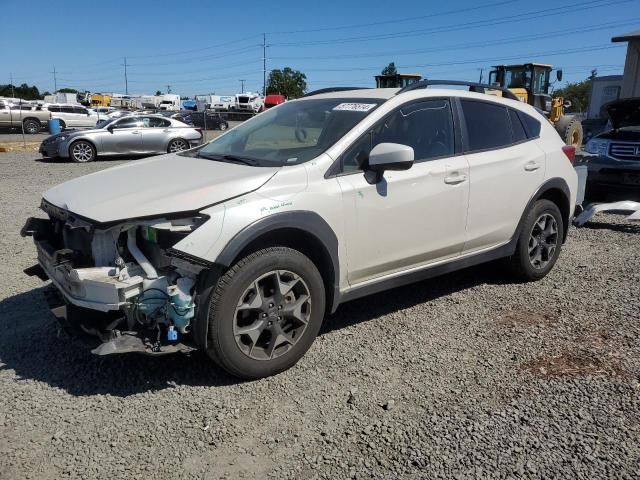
241, 246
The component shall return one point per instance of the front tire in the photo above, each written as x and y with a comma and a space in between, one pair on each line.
539, 243
265, 312
82, 152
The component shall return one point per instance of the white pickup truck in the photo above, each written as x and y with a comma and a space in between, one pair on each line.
27, 115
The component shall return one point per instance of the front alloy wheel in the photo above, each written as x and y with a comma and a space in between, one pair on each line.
264, 313
82, 152
272, 315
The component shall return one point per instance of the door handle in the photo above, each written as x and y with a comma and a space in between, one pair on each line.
531, 166
455, 179
136, 132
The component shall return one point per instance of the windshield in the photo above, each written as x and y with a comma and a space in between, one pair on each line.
293, 133
517, 77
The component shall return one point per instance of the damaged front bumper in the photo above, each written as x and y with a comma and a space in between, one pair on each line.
108, 289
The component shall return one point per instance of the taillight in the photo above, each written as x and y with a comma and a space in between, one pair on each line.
199, 130
570, 152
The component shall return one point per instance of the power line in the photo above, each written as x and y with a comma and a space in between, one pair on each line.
399, 20
464, 26
481, 60
198, 49
585, 29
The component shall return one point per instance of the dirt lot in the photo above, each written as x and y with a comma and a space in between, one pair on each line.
465, 376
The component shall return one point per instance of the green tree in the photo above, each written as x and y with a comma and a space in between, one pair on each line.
390, 69
23, 91
288, 82
577, 93
158, 93
67, 90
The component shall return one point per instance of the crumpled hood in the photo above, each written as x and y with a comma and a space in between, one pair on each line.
624, 113
156, 187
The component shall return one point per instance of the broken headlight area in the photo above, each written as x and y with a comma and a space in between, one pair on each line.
120, 283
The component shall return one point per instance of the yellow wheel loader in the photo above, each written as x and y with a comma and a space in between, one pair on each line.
530, 83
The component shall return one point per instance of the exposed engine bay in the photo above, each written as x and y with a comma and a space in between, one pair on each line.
120, 283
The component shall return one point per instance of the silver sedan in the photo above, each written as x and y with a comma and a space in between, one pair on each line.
130, 135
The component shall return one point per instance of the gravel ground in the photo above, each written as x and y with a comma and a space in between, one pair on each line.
465, 376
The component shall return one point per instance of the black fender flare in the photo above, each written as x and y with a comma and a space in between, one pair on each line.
555, 183
305, 221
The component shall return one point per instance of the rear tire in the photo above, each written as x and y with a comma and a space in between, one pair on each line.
570, 129
265, 312
31, 126
539, 242
177, 145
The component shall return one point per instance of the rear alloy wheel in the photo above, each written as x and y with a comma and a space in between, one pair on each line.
82, 152
223, 126
178, 145
265, 313
539, 242
31, 127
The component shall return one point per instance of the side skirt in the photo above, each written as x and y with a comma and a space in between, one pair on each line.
429, 272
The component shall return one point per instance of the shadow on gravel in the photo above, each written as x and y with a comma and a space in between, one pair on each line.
373, 306
35, 349
616, 227
32, 346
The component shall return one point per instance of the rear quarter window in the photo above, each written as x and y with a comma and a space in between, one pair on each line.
519, 133
531, 125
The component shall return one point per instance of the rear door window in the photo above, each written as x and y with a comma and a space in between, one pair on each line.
67, 110
488, 125
54, 108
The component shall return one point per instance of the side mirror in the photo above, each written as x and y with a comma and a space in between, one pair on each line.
389, 156
559, 75
110, 128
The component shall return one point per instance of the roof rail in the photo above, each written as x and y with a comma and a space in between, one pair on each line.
473, 87
333, 89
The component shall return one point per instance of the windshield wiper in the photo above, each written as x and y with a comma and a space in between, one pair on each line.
230, 158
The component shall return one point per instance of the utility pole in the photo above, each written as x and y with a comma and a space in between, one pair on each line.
11, 82
55, 80
168, 88
264, 64
481, 75
242, 84
126, 82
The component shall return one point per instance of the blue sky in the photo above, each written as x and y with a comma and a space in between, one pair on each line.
201, 47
